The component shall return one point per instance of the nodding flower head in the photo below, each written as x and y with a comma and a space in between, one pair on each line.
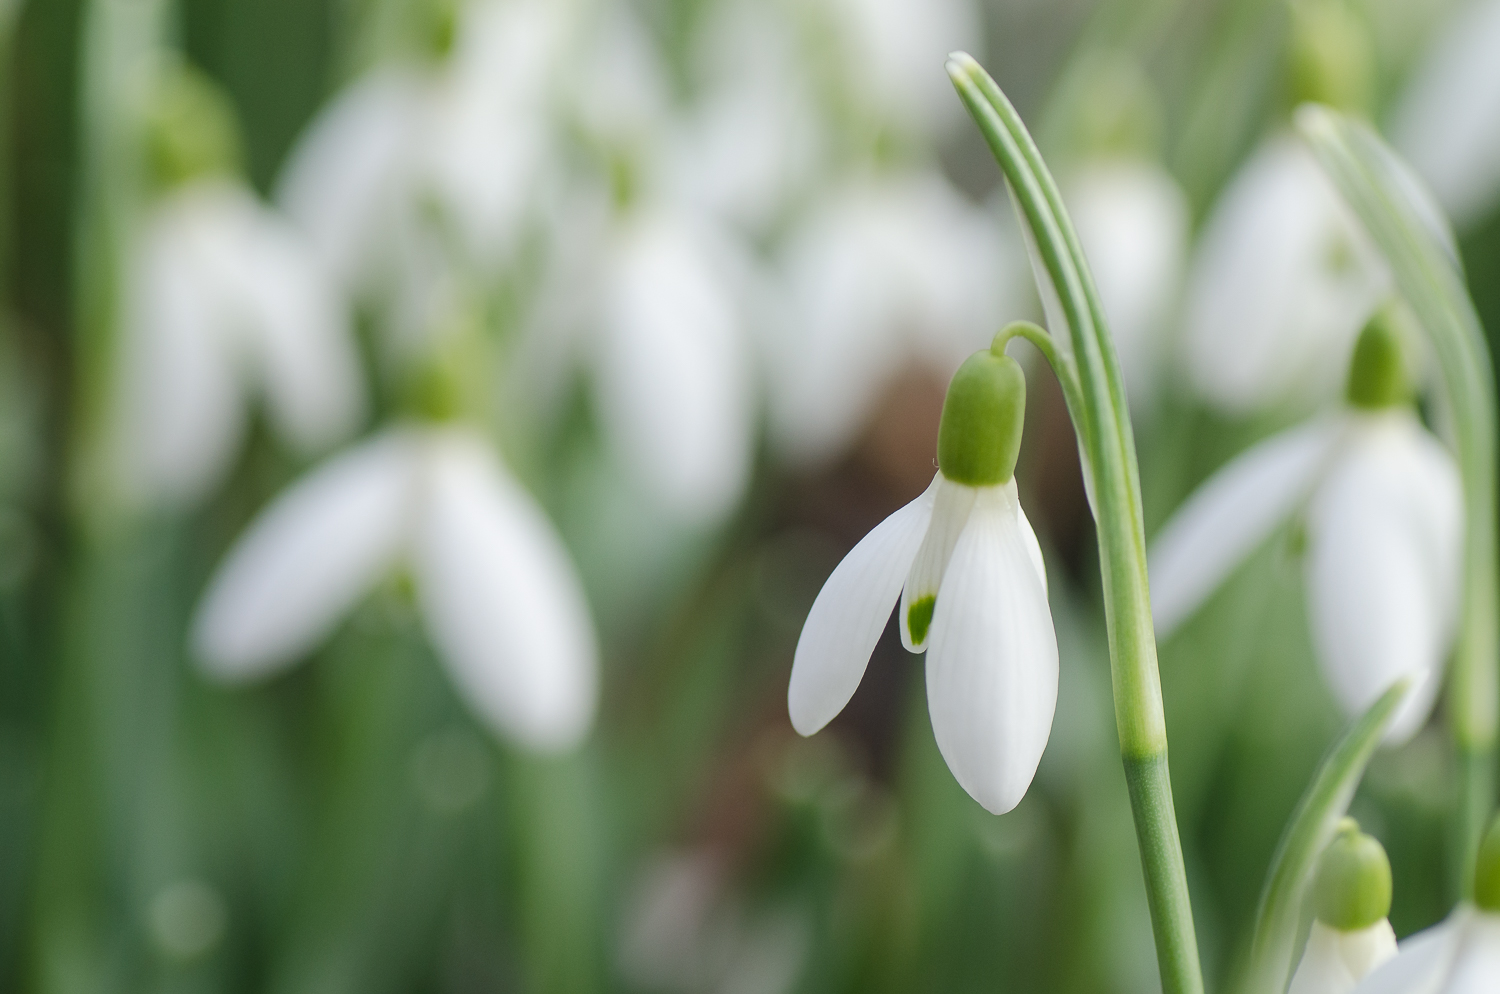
968, 572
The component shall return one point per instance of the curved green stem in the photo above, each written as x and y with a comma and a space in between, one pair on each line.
1101, 418
1429, 277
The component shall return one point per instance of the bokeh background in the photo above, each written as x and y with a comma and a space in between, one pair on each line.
350, 823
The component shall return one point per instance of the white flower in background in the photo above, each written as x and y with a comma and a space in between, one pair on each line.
1351, 897
891, 55
1282, 280
1133, 221
968, 572
1460, 955
469, 136
224, 301
671, 363
1447, 121
495, 586
884, 271
1381, 503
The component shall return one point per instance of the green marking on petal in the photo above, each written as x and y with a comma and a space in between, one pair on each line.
919, 618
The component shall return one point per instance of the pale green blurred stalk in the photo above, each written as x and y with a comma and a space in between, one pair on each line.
1086, 366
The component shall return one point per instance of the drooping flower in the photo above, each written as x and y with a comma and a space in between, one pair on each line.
966, 567
1446, 122
495, 587
1380, 501
1461, 954
1351, 935
886, 271
1281, 283
223, 302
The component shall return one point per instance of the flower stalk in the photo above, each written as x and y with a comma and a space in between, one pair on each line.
1429, 277
1083, 358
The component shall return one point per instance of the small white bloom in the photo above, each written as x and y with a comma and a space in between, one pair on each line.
1384, 520
223, 301
496, 588
1447, 121
883, 272
671, 364
1460, 955
1133, 221
1282, 281
967, 568
1335, 960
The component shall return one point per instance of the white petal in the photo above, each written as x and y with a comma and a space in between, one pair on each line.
308, 559
992, 666
502, 601
349, 167
1322, 969
1283, 279
1447, 122
849, 615
1384, 534
298, 330
1422, 961
1229, 515
952, 503
1476, 968
181, 407
1033, 547
672, 370
1132, 219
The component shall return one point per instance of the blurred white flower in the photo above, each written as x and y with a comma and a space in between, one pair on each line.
1447, 121
883, 272
1460, 955
1335, 960
1133, 220
672, 366
469, 137
1282, 281
495, 586
973, 589
1384, 520
223, 301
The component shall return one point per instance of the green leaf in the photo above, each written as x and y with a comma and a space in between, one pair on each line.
1409, 232
1308, 833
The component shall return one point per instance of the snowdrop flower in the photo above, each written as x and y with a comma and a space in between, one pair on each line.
1447, 121
883, 272
1460, 955
223, 302
495, 587
469, 137
1281, 283
1351, 935
1133, 221
968, 571
1381, 504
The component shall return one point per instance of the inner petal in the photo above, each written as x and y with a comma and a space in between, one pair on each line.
950, 512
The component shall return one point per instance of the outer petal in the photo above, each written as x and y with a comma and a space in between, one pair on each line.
298, 331
1447, 123
952, 503
1283, 280
307, 560
347, 171
992, 665
1335, 961
672, 370
1383, 566
1422, 962
501, 599
1229, 515
849, 615
1476, 968
181, 405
